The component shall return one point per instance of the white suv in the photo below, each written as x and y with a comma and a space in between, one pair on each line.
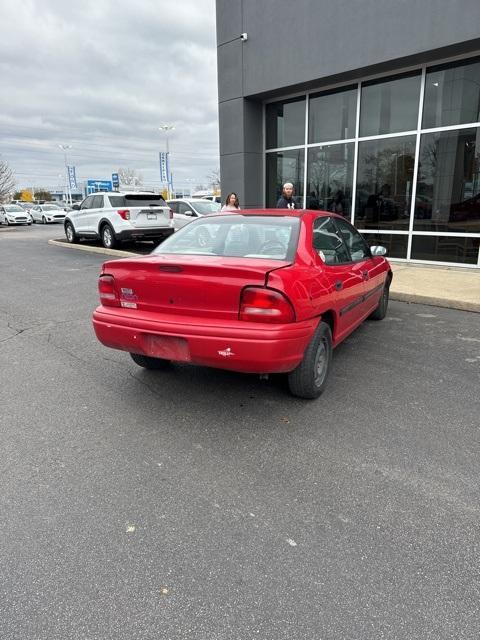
116, 216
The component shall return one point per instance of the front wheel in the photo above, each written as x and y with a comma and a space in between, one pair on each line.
70, 233
44, 220
381, 310
108, 237
309, 379
149, 363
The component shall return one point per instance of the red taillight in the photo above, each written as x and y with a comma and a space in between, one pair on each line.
124, 213
170, 213
106, 289
260, 304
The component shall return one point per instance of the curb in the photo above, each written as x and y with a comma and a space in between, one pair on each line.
79, 247
435, 302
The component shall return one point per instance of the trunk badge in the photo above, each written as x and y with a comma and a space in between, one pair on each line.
226, 353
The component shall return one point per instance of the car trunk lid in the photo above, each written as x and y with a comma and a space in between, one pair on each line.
203, 286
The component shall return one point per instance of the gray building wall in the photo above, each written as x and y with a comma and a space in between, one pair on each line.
294, 46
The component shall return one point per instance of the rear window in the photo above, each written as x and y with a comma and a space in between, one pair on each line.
138, 200
236, 236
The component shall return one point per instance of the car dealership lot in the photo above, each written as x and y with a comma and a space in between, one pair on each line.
198, 503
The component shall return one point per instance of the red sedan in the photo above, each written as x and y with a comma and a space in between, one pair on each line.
259, 291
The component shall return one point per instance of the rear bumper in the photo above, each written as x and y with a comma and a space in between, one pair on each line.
145, 234
238, 346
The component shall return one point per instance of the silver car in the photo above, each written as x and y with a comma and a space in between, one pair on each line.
14, 214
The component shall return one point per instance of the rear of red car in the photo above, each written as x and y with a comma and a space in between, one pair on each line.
209, 303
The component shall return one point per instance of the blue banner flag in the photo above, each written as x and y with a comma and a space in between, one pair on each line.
163, 166
72, 179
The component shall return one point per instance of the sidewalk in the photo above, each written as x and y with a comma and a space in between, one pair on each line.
451, 287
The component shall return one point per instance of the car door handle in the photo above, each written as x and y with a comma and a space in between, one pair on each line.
338, 285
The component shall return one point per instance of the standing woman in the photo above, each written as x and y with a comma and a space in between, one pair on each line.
231, 203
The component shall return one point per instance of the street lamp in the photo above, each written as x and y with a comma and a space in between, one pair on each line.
64, 148
166, 128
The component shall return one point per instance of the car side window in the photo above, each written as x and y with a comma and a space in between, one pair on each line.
87, 203
356, 244
328, 242
97, 202
173, 206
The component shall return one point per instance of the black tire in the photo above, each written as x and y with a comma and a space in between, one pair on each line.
309, 379
33, 220
107, 236
72, 237
149, 363
7, 222
44, 220
381, 310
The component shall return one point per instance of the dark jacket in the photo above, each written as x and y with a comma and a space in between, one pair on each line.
286, 203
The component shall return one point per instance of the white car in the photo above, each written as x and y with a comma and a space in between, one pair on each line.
14, 214
46, 213
116, 216
187, 209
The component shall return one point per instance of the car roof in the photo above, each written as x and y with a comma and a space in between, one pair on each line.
125, 193
290, 213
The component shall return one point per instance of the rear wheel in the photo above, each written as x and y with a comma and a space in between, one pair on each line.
107, 235
381, 310
309, 379
149, 363
70, 233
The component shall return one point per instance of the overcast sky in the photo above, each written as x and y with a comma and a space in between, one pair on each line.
102, 76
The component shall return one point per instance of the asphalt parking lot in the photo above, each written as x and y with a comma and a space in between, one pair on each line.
202, 504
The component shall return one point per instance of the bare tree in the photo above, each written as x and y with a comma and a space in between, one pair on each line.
214, 179
129, 177
7, 181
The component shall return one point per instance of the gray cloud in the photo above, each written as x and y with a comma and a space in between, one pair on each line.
102, 76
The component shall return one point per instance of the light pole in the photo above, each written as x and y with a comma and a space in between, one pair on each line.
166, 128
64, 148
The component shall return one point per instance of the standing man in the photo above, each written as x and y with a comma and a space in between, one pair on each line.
286, 200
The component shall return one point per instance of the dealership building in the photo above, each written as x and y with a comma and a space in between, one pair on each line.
371, 108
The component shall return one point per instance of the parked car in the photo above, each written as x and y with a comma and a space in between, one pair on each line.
47, 213
14, 214
273, 292
187, 209
467, 210
217, 199
116, 216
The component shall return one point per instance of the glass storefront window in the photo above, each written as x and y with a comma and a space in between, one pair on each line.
330, 178
390, 107
331, 115
445, 249
448, 182
384, 183
285, 166
452, 94
396, 244
285, 123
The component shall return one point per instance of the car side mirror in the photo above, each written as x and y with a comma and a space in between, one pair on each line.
378, 250
76, 207
189, 213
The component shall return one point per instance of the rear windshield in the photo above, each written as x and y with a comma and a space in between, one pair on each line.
138, 200
236, 236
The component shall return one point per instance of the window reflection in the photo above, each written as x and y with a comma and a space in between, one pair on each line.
445, 249
285, 166
331, 115
285, 123
384, 183
452, 94
389, 107
448, 183
330, 178
395, 244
